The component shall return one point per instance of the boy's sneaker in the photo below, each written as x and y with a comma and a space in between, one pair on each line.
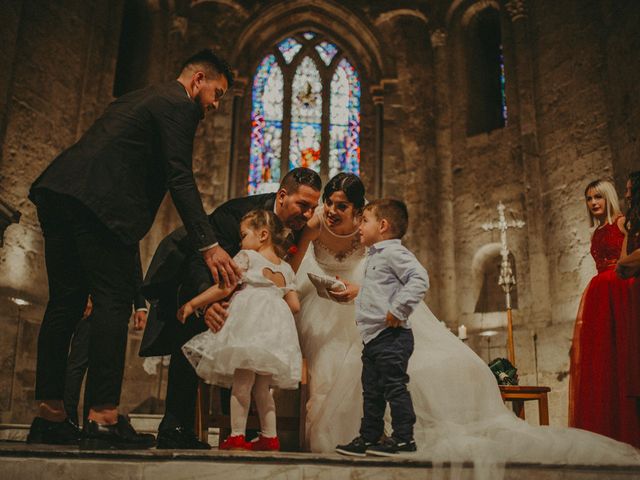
265, 444
357, 448
235, 442
390, 447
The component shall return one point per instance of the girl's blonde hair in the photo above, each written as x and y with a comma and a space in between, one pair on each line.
608, 192
261, 218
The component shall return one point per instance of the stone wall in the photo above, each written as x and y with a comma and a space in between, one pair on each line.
572, 72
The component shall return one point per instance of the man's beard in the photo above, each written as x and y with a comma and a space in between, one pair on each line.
197, 101
298, 223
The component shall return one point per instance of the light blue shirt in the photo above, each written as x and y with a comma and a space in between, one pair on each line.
394, 281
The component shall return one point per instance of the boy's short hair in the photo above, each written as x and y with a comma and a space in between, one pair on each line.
394, 212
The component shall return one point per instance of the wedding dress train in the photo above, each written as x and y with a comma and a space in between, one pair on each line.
460, 414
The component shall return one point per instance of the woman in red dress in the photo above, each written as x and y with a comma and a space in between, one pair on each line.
598, 387
629, 267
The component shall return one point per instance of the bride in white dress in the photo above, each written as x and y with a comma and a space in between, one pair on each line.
460, 414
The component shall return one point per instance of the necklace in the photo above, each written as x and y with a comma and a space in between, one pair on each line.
338, 235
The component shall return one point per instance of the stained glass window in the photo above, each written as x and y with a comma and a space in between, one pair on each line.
289, 47
266, 127
344, 130
304, 118
326, 51
503, 89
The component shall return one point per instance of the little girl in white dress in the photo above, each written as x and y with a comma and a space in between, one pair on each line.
258, 345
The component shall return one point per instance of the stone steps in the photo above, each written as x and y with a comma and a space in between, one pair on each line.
38, 462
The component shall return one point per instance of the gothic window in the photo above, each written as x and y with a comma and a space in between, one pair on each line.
492, 297
487, 101
305, 112
134, 48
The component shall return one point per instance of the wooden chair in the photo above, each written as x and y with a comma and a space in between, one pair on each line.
518, 394
209, 413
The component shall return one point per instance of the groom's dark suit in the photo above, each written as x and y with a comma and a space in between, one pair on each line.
95, 201
176, 274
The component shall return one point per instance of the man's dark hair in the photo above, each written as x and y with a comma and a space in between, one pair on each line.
301, 176
206, 58
394, 212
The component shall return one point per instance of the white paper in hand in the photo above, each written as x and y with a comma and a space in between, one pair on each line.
324, 283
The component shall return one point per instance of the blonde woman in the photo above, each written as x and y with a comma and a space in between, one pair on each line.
598, 399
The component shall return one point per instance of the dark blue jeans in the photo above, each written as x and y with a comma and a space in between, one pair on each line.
384, 379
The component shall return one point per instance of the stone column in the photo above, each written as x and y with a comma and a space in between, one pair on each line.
446, 264
530, 157
378, 102
238, 90
390, 167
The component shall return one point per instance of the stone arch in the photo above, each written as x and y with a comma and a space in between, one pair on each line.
483, 260
401, 12
235, 5
465, 10
329, 18
359, 39
477, 30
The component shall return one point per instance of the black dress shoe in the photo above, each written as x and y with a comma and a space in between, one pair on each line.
54, 433
120, 436
180, 438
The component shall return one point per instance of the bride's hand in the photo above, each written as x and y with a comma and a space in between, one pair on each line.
348, 294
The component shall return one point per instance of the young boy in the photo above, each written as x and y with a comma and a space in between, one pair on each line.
394, 282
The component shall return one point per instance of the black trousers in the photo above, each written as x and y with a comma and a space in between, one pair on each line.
182, 381
77, 364
384, 379
83, 257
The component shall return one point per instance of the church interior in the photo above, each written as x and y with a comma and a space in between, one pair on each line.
455, 107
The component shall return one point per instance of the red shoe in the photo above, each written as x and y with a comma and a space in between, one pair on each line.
265, 444
235, 442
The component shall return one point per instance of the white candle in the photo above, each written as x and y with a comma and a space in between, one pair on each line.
462, 332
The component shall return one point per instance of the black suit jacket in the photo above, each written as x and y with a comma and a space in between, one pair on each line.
177, 270
124, 164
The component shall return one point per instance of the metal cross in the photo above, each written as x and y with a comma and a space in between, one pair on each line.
506, 280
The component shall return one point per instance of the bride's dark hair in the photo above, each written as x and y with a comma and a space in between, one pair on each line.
348, 183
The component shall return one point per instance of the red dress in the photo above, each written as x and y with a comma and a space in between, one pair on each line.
633, 328
599, 398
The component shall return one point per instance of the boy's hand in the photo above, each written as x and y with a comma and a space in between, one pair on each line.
184, 312
392, 321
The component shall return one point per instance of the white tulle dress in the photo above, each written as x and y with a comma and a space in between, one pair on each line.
259, 333
460, 414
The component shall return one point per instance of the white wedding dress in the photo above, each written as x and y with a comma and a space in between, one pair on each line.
460, 414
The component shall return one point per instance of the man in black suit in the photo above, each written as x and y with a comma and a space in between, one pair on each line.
174, 267
95, 202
